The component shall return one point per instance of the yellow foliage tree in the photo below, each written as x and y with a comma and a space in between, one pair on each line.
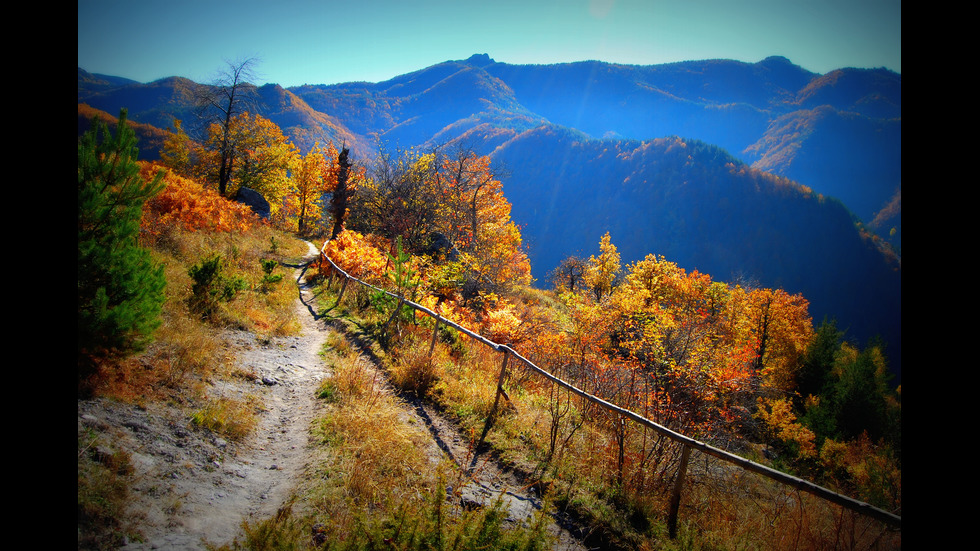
601, 272
261, 158
177, 150
778, 417
310, 181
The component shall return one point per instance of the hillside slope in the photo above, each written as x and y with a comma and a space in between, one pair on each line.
698, 206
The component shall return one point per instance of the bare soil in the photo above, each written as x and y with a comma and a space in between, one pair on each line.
194, 488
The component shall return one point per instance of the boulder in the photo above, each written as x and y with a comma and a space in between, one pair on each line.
255, 201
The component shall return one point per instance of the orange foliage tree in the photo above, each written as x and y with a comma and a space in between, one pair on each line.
474, 215
456, 196
356, 255
693, 353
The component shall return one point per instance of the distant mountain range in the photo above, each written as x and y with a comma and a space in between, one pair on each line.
761, 171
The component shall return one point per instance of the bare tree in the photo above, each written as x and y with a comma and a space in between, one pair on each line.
229, 94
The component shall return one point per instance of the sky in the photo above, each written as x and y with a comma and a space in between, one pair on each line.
298, 42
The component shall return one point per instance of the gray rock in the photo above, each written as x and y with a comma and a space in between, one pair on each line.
255, 201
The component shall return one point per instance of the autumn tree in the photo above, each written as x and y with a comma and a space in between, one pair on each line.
120, 287
397, 199
468, 189
782, 328
219, 103
267, 156
309, 185
262, 157
475, 216
569, 274
445, 205
178, 150
601, 271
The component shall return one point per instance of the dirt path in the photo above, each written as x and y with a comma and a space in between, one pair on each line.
194, 488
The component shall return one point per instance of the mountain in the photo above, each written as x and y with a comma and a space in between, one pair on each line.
760, 171
839, 133
815, 145
701, 207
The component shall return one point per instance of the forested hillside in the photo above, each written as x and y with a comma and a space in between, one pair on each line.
697, 205
584, 149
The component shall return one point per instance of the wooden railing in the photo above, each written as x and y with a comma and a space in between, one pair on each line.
686, 442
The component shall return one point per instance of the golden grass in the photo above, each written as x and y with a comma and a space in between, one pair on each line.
370, 457
412, 367
103, 493
233, 418
186, 351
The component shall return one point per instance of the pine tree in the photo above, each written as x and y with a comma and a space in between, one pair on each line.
120, 288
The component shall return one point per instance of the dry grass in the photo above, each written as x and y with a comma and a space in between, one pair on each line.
469, 386
261, 307
103, 494
378, 480
739, 509
733, 513
371, 458
233, 418
412, 367
187, 351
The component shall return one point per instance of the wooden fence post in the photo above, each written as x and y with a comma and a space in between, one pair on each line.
435, 334
675, 498
496, 400
343, 287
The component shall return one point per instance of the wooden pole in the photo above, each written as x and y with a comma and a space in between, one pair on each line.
675, 497
496, 400
343, 287
435, 335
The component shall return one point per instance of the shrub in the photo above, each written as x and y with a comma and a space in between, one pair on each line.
186, 204
269, 279
211, 286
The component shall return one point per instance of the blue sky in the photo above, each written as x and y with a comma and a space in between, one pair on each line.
324, 42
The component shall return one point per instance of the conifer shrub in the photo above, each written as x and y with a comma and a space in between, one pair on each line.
120, 287
212, 286
269, 279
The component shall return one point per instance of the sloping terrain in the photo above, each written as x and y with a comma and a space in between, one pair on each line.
193, 488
